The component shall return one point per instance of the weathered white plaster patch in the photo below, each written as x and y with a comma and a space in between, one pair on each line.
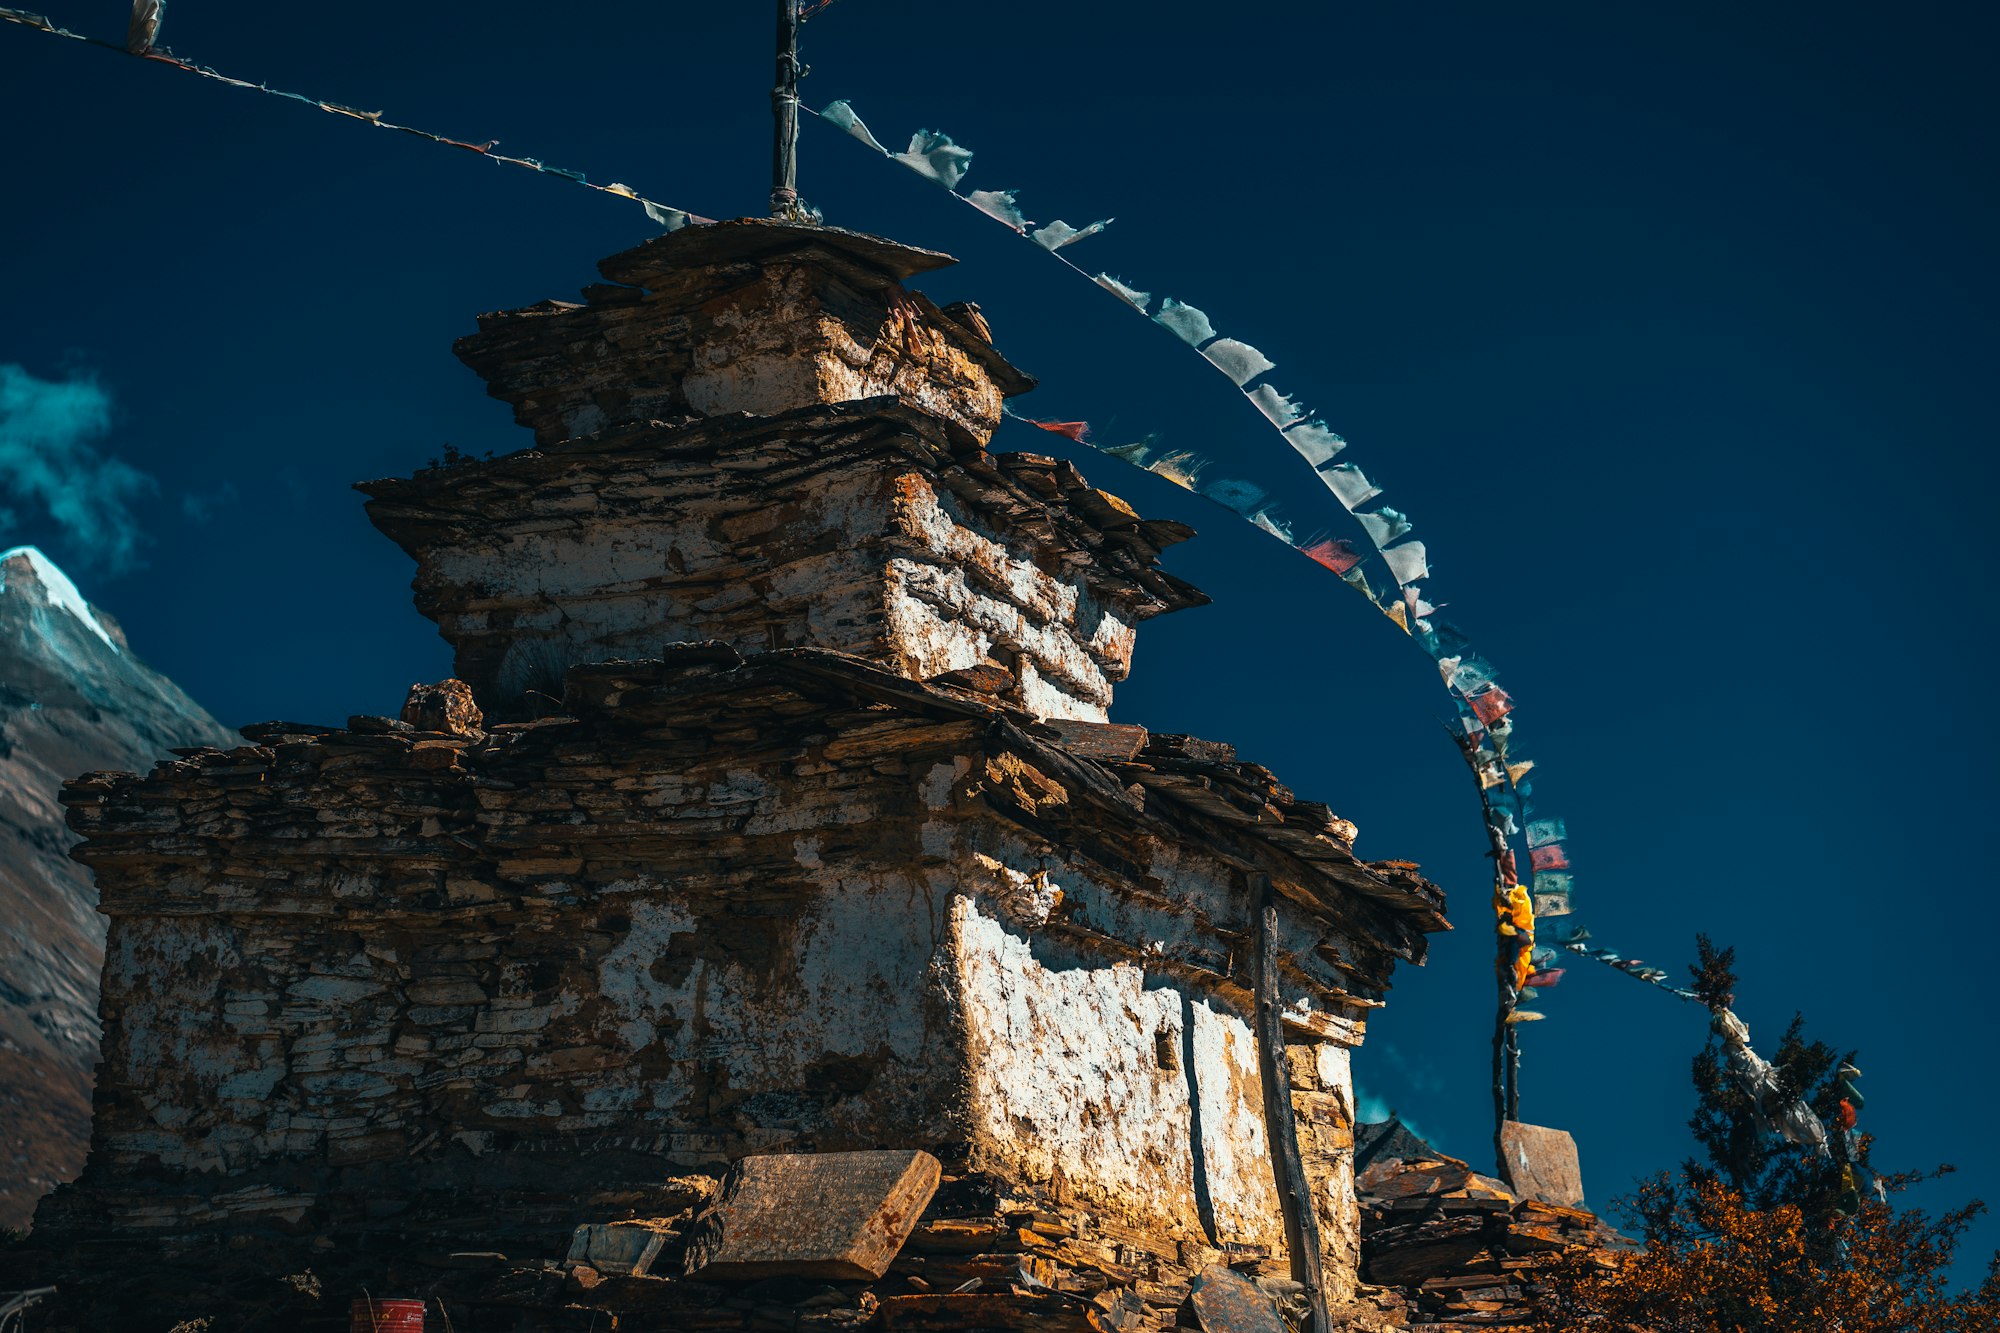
1335, 1069
625, 978
938, 839
937, 784
1026, 899
939, 622
1233, 1143
963, 594
857, 947
636, 884
1069, 1079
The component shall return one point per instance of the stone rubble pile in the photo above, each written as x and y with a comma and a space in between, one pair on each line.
1462, 1249
980, 1256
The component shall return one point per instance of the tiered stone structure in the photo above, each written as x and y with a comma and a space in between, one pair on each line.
828, 490
803, 831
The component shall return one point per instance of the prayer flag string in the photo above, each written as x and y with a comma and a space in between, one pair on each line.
1485, 723
1397, 560
144, 30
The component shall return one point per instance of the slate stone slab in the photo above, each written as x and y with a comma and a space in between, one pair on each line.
826, 1215
1540, 1163
1227, 1302
617, 1248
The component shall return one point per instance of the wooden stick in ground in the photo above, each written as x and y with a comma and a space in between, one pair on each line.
1294, 1190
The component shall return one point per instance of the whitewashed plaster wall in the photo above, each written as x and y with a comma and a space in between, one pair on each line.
876, 563
1124, 1086
957, 594
1137, 1097
777, 344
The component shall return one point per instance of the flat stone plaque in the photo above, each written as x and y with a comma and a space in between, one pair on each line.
1227, 1302
618, 1248
1540, 1163
825, 1215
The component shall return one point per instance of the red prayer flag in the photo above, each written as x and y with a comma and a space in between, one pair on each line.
1075, 430
1549, 856
1544, 980
1335, 553
1491, 706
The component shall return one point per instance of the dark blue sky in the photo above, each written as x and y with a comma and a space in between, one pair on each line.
1673, 328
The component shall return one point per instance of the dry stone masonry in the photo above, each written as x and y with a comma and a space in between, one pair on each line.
776, 816
1463, 1250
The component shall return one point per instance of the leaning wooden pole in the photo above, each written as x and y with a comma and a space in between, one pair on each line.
1506, 1041
1513, 1065
1294, 1189
785, 112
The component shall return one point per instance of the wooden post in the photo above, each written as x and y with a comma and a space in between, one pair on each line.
785, 111
1513, 1072
1506, 1041
1295, 1194
1501, 1097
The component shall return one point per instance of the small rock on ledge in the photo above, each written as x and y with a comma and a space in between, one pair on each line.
446, 706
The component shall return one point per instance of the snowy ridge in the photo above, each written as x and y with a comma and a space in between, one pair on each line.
61, 592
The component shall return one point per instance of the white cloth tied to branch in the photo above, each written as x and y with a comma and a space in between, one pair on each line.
1758, 1078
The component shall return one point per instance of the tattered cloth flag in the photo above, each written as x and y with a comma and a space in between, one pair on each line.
1188, 324
1001, 206
1075, 430
1238, 360
1336, 553
1057, 234
144, 29
1130, 295
934, 155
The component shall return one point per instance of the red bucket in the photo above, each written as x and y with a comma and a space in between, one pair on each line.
377, 1316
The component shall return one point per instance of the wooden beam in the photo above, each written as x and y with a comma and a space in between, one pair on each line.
1294, 1189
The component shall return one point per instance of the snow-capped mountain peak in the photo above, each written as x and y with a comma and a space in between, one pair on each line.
56, 587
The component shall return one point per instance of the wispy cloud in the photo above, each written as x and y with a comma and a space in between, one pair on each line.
1416, 1075
50, 462
1372, 1110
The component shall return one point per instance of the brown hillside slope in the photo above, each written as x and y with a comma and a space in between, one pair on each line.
72, 699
